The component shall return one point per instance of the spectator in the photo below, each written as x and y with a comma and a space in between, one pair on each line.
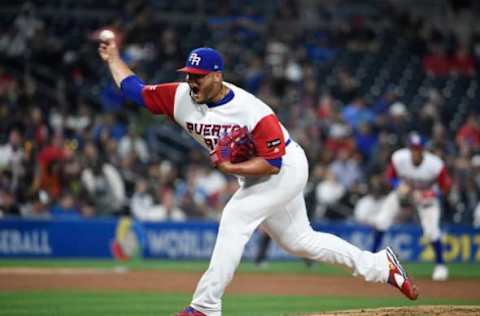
12, 44
357, 113
36, 128
463, 62
427, 117
476, 216
346, 169
330, 195
143, 205
475, 163
109, 127
382, 105
12, 156
326, 108
8, 204
465, 186
131, 169
346, 86
368, 207
37, 207
49, 174
441, 144
192, 198
365, 140
80, 120
49, 180
27, 23
399, 123
7, 83
71, 173
65, 207
436, 63
381, 153
469, 133
254, 75
339, 138
104, 185
132, 143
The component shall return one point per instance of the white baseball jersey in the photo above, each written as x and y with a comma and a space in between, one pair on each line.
207, 123
426, 176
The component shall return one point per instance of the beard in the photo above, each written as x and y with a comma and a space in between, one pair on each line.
207, 93
192, 96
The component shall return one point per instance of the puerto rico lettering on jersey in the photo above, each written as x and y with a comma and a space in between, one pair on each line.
207, 124
210, 129
211, 133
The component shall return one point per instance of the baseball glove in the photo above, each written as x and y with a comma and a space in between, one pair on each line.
404, 193
237, 146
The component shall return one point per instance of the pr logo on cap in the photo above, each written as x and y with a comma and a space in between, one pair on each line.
194, 59
203, 61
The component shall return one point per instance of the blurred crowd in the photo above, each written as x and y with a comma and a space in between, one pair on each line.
72, 146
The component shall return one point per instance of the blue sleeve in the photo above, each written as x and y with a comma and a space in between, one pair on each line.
132, 88
276, 162
394, 182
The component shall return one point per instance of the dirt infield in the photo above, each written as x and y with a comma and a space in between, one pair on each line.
251, 283
443, 310
243, 283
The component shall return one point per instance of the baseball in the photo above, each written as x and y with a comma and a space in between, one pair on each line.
106, 36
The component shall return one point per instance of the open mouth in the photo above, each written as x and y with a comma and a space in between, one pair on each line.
194, 90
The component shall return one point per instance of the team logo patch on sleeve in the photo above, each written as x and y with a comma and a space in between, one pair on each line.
273, 143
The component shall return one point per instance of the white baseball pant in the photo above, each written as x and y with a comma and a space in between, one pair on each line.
428, 211
277, 204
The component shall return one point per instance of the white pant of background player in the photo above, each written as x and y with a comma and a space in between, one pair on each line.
277, 204
429, 212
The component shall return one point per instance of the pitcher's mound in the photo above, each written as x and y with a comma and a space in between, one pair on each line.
437, 310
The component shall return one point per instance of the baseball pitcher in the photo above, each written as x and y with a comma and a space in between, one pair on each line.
246, 139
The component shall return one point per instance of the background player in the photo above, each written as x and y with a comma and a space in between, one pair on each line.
271, 190
418, 177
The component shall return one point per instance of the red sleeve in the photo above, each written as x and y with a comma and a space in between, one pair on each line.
160, 98
268, 138
461, 133
444, 181
391, 173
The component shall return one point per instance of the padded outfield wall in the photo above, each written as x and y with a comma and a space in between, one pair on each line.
124, 238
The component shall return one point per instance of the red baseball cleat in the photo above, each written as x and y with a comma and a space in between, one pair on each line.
190, 311
398, 277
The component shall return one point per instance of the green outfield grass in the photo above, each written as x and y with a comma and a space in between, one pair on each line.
457, 270
80, 303
112, 303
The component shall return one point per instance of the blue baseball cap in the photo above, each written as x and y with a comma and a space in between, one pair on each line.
415, 141
202, 61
